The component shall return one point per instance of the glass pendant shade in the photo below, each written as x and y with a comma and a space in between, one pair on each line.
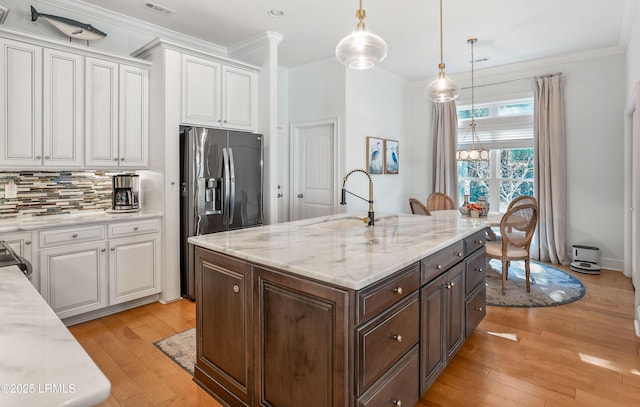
361, 49
442, 89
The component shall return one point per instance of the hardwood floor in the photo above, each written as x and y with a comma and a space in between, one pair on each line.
580, 354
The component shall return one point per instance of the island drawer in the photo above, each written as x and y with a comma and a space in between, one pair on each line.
378, 297
439, 262
398, 387
381, 342
476, 308
476, 270
57, 237
474, 242
122, 229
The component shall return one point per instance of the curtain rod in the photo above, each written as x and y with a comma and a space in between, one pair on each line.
546, 75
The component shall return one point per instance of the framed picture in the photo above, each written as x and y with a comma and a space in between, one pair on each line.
392, 156
375, 155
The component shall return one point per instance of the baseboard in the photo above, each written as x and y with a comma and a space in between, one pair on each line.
77, 319
611, 264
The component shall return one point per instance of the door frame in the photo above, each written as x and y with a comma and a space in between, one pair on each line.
294, 159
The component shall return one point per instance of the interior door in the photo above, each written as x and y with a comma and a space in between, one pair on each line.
313, 170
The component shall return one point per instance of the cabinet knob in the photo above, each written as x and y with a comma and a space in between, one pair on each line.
103, 250
219, 120
38, 157
115, 159
135, 228
113, 249
439, 266
397, 338
74, 235
398, 290
46, 157
397, 403
479, 269
121, 158
27, 242
478, 308
224, 121
459, 254
479, 241
236, 288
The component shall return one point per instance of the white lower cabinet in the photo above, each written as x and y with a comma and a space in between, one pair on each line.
86, 268
134, 270
74, 278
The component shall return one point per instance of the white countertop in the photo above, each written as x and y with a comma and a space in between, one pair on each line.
341, 250
41, 363
28, 223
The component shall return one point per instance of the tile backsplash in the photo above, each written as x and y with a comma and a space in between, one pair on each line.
41, 193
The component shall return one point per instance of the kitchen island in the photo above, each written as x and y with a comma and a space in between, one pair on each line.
332, 312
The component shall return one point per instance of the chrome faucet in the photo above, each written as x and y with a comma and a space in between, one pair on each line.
369, 219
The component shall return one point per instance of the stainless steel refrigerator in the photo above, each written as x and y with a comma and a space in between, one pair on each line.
221, 188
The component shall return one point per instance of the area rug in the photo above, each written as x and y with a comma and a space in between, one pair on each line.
181, 348
549, 286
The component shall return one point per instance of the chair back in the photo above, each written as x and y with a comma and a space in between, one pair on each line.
517, 226
438, 201
522, 200
417, 207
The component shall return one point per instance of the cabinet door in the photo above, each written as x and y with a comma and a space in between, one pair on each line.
74, 279
301, 342
225, 326
201, 91
133, 144
455, 309
101, 113
432, 336
20, 104
63, 109
239, 98
134, 268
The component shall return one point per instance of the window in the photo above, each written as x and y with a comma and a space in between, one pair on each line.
504, 127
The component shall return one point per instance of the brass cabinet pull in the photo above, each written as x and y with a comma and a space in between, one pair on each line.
479, 242
479, 269
459, 254
397, 338
398, 290
236, 288
477, 308
397, 403
439, 266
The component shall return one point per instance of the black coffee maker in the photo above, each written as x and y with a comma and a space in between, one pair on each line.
125, 188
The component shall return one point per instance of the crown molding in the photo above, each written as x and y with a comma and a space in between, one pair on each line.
134, 25
256, 42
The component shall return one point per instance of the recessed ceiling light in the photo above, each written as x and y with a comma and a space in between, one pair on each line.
275, 13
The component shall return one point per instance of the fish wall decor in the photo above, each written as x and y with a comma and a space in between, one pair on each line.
69, 27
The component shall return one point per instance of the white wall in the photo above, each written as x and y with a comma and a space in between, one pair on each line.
594, 108
375, 106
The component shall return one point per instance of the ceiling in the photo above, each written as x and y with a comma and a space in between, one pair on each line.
508, 31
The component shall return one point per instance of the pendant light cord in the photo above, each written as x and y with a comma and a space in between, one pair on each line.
473, 96
441, 66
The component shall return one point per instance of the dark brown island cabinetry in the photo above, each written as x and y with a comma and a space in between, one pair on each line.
270, 338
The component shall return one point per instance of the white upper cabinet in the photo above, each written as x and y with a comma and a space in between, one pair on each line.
68, 107
218, 95
20, 104
116, 118
63, 109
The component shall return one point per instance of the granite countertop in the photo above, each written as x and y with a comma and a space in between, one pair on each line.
28, 223
342, 250
41, 363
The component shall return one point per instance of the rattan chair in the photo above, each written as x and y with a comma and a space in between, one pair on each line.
522, 200
516, 227
417, 207
438, 201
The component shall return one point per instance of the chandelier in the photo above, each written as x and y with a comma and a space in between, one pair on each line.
476, 152
442, 89
361, 49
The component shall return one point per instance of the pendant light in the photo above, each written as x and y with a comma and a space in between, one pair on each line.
476, 152
361, 49
442, 89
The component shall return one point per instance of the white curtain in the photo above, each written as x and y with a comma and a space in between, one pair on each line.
445, 127
550, 241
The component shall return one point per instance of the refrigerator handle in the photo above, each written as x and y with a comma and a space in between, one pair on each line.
232, 198
227, 187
